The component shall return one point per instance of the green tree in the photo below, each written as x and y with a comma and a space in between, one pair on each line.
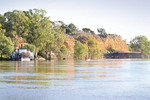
141, 44
62, 52
102, 32
63, 49
40, 28
2, 21
6, 45
80, 50
60, 56
47, 39
88, 30
52, 38
16, 23
93, 47
30, 47
71, 28
59, 37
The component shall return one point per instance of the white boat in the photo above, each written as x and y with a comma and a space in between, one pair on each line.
87, 59
23, 55
25, 59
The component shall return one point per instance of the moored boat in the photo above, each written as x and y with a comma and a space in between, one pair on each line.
25, 59
87, 59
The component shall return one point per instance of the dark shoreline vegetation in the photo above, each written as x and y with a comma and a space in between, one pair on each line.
43, 36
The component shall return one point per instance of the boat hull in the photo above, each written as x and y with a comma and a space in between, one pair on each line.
25, 59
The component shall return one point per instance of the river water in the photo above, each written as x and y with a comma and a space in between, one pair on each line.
105, 79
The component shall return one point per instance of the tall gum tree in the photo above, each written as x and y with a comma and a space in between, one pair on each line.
43, 34
17, 23
6, 45
38, 28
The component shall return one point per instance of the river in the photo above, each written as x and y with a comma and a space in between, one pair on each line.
104, 79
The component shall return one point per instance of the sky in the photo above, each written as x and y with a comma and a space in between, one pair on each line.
128, 18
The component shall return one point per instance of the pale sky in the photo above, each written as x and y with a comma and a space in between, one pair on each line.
127, 18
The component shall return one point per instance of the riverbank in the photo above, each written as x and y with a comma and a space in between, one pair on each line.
6, 59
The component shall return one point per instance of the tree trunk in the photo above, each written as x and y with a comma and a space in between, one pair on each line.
1, 56
50, 55
46, 55
36, 53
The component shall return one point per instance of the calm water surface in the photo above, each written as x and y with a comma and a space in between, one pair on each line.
106, 79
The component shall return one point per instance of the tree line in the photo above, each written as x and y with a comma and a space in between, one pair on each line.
34, 27
138, 44
41, 34
44, 35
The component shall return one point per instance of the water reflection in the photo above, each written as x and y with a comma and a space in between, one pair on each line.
104, 79
57, 73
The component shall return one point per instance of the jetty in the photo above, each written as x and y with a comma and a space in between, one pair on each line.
123, 55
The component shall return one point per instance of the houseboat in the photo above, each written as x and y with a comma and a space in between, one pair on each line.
23, 55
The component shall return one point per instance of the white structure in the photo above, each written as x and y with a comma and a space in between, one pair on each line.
23, 55
25, 59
